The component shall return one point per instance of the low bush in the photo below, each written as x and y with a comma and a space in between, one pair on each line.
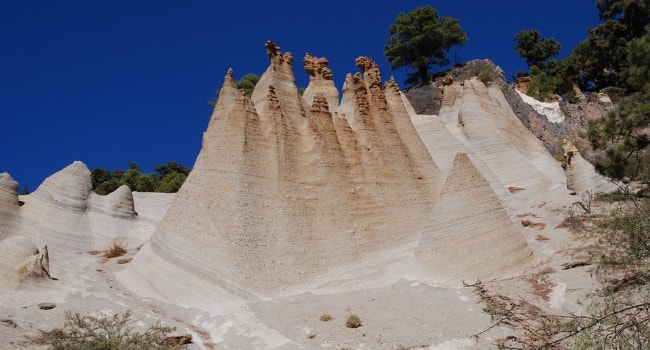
353, 321
484, 70
105, 333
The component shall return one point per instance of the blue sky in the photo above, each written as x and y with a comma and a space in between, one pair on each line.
113, 82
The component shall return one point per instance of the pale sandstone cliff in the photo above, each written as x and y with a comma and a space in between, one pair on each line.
470, 227
581, 175
64, 214
9, 205
287, 193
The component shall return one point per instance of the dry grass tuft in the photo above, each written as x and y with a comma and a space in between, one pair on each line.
114, 250
575, 223
326, 317
542, 285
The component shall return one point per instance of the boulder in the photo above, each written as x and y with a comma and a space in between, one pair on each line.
581, 175
21, 259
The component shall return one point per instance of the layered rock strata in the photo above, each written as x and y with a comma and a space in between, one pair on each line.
321, 80
54, 214
9, 205
581, 175
21, 259
476, 119
66, 215
470, 227
286, 191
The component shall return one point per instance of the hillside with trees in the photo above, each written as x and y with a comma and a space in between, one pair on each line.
166, 178
421, 39
613, 59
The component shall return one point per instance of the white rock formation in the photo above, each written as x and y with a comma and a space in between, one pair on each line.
21, 259
470, 235
64, 214
55, 214
581, 175
286, 193
9, 205
551, 110
282, 193
477, 120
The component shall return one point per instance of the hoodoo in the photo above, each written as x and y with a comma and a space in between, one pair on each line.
64, 213
581, 176
290, 191
484, 244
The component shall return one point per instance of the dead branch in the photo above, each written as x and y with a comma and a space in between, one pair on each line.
572, 265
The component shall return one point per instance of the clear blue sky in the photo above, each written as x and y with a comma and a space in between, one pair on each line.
113, 82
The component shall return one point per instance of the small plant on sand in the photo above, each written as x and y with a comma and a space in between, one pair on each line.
110, 332
114, 250
353, 321
326, 317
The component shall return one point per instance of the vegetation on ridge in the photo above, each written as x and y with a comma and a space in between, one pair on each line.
246, 83
614, 58
420, 39
535, 48
168, 178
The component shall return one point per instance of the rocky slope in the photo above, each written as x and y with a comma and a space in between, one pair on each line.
551, 130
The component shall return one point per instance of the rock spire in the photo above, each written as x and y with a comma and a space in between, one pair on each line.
289, 190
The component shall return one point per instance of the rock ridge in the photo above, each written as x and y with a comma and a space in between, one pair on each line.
288, 191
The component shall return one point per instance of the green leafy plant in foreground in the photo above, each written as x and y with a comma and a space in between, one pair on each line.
105, 333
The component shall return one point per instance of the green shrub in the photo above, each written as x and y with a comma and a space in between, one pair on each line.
353, 321
484, 70
625, 233
542, 85
105, 333
168, 178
